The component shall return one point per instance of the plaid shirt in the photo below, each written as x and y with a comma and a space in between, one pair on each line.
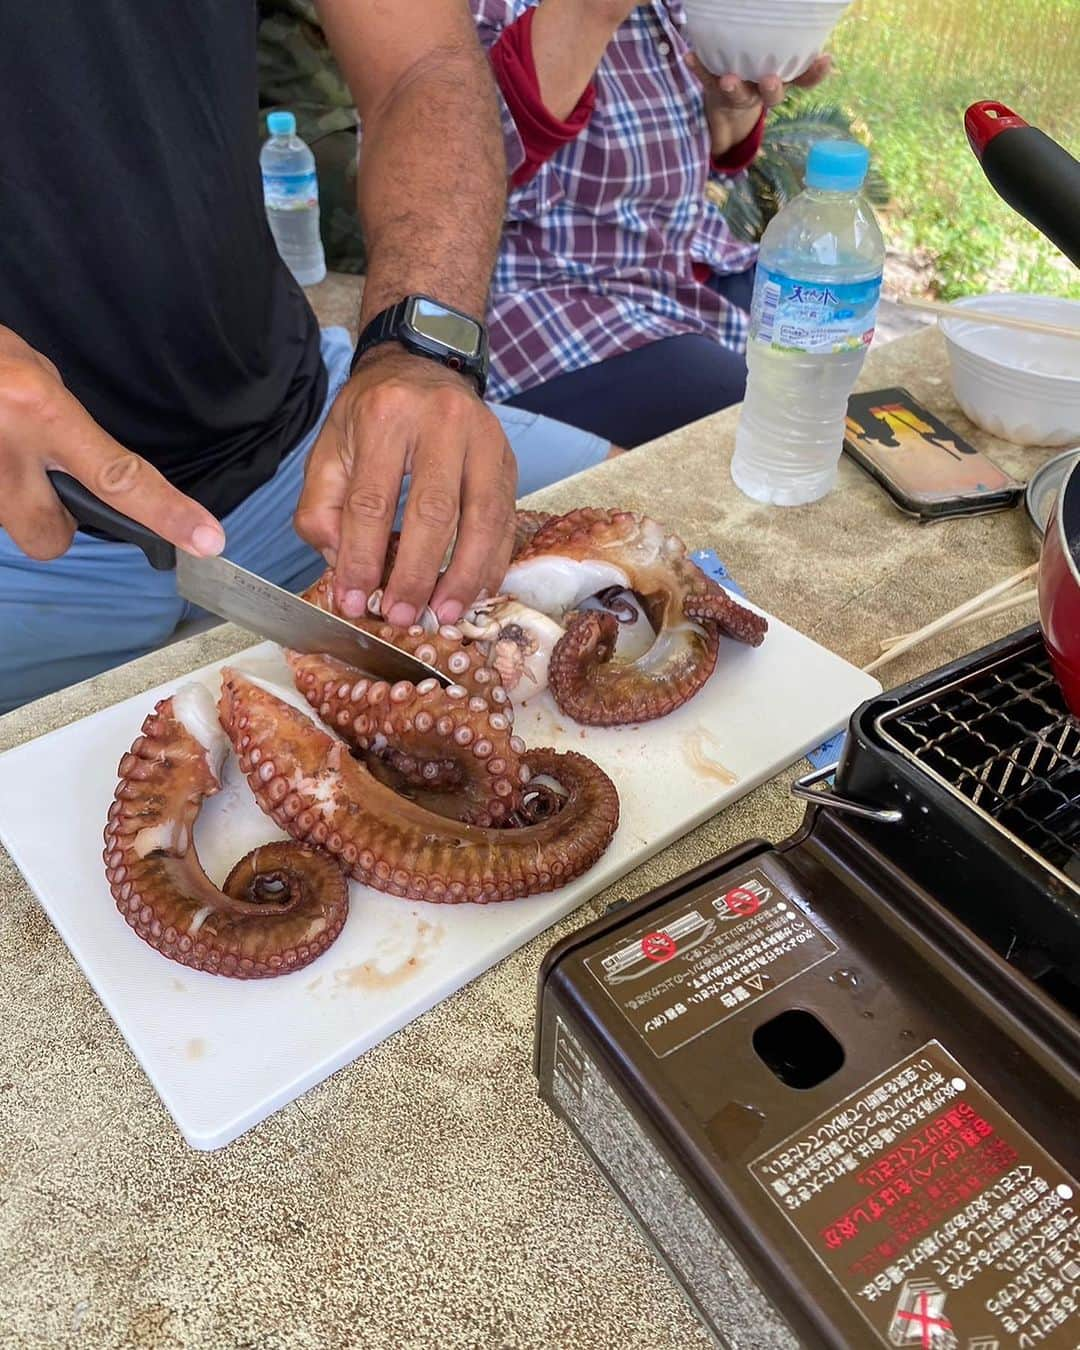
598, 248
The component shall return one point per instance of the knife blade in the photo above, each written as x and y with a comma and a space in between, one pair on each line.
232, 593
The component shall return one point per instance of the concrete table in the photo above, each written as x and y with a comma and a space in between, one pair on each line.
423, 1196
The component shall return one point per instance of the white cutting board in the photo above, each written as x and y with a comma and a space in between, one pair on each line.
225, 1054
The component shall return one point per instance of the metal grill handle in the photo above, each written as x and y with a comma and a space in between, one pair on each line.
808, 789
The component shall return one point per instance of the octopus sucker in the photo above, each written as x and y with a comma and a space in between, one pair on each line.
444, 648
398, 845
568, 560
526, 525
433, 739
280, 907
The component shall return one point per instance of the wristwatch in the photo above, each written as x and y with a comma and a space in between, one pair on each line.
427, 328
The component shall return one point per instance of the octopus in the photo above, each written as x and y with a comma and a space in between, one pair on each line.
455, 747
604, 608
280, 907
417, 790
311, 786
607, 610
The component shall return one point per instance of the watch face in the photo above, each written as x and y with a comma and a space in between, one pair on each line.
441, 325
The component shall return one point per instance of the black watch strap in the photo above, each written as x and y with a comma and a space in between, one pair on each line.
389, 326
383, 328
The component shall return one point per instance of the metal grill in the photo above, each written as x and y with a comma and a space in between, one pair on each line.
1003, 739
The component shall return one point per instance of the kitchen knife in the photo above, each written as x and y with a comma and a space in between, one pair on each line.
223, 588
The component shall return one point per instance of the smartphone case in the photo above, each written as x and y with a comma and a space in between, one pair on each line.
927, 469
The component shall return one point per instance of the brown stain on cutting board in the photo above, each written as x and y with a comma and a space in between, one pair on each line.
371, 977
195, 1048
368, 976
699, 748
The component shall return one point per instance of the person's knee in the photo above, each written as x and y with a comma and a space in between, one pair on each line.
548, 451
63, 624
711, 376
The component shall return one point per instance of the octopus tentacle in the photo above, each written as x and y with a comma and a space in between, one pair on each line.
308, 783
434, 738
733, 619
587, 553
281, 906
540, 801
442, 646
526, 526
596, 690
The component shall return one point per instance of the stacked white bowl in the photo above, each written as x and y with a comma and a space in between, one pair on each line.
754, 38
1023, 387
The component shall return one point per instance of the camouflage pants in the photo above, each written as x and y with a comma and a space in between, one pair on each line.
343, 240
297, 72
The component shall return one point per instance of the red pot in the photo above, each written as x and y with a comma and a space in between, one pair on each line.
1059, 589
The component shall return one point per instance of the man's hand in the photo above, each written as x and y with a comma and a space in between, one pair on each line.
43, 427
399, 415
431, 192
733, 106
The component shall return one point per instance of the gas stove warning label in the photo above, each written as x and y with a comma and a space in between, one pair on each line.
692, 969
944, 1223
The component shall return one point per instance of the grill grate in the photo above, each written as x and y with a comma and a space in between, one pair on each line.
1003, 739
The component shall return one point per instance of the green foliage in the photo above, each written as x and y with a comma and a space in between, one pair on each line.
752, 199
909, 69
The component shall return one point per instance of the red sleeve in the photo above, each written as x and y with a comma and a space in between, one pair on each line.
542, 134
741, 156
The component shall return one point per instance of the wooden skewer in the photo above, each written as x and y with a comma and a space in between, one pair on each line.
947, 620
1010, 602
983, 316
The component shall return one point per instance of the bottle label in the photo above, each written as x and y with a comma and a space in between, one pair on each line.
290, 191
789, 315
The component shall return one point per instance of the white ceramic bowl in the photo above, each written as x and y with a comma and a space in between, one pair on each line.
754, 38
1023, 387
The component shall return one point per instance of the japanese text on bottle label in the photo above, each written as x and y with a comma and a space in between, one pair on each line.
809, 316
290, 191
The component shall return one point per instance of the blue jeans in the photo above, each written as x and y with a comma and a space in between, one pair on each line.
101, 604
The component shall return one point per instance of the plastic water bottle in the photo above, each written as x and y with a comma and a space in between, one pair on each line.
816, 297
291, 194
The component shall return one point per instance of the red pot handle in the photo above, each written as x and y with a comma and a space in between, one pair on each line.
983, 121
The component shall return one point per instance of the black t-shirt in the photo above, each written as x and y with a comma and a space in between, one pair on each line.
134, 247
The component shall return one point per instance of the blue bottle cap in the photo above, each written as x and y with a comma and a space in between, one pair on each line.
837, 166
281, 124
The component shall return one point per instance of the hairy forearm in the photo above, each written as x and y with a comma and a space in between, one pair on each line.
569, 40
432, 185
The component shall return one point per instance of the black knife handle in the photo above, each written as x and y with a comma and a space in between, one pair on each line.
93, 516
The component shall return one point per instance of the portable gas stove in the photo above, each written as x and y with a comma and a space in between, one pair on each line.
837, 1081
